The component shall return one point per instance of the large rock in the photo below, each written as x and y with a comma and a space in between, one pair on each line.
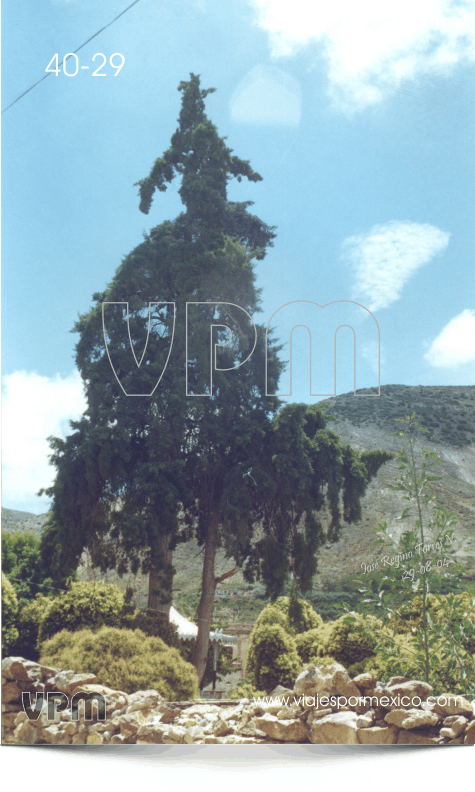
470, 734
419, 737
450, 704
152, 732
411, 719
338, 728
453, 726
409, 694
166, 713
68, 681
330, 680
221, 728
130, 723
143, 699
377, 735
25, 734
292, 731
365, 720
11, 692
365, 682
281, 692
20, 669
54, 735
113, 700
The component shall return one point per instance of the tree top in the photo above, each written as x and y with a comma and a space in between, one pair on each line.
200, 156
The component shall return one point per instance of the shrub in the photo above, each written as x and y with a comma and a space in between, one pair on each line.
328, 603
21, 562
9, 614
123, 659
154, 624
273, 658
321, 662
246, 689
83, 605
308, 644
29, 619
409, 615
403, 659
294, 615
350, 642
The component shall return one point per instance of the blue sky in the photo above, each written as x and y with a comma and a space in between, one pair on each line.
360, 118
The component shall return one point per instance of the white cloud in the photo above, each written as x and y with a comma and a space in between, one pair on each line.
267, 95
455, 344
374, 354
371, 47
385, 258
34, 407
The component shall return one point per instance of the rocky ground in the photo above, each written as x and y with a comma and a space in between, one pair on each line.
324, 707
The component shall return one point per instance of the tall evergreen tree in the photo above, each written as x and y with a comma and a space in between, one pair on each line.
124, 474
140, 473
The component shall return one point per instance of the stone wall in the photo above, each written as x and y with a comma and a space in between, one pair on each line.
325, 707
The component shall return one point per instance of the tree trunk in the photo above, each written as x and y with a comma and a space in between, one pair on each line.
205, 610
160, 577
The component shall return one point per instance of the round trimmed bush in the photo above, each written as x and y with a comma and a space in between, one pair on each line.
155, 624
294, 615
273, 658
349, 642
309, 644
83, 605
125, 660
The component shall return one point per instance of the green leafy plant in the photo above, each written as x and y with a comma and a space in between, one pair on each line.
126, 660
437, 643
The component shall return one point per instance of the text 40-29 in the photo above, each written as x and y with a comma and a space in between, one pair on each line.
71, 69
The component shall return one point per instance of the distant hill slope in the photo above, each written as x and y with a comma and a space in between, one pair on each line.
364, 421
446, 411
22, 521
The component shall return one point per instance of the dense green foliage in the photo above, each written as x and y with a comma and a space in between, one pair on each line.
154, 624
28, 622
294, 615
90, 605
307, 470
309, 645
9, 613
408, 617
23, 564
350, 642
272, 658
123, 659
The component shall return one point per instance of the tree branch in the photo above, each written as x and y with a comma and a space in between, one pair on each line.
225, 576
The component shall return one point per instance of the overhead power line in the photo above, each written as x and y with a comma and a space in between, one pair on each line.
75, 51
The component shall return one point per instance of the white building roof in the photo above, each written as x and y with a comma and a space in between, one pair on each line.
187, 630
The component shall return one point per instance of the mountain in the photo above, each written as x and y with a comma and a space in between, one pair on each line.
21, 521
364, 421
